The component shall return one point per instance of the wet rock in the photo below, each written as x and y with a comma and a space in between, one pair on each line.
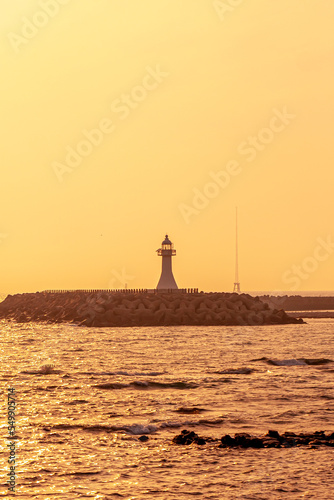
188, 437
274, 440
143, 438
271, 443
242, 439
273, 434
289, 434
256, 443
227, 441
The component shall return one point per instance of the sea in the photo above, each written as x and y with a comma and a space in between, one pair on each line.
85, 396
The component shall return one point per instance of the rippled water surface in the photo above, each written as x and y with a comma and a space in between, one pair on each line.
78, 427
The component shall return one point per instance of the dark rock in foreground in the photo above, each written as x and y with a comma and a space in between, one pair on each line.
107, 309
188, 437
143, 438
271, 440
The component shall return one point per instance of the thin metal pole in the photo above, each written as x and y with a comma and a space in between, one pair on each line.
236, 287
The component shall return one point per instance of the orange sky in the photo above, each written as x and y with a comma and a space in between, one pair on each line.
124, 120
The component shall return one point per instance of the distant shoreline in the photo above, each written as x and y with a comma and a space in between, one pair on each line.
297, 303
311, 314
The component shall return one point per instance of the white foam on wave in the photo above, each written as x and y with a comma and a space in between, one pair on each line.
43, 370
202, 421
137, 429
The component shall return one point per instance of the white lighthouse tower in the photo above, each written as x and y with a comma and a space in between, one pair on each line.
166, 251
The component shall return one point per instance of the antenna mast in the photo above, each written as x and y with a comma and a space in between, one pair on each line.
236, 287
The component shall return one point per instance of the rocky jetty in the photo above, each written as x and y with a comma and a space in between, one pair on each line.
299, 303
103, 309
271, 440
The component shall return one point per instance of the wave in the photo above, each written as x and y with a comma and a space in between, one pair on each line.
147, 384
295, 361
124, 373
47, 369
190, 410
235, 371
43, 370
136, 429
318, 361
77, 402
140, 374
139, 429
286, 362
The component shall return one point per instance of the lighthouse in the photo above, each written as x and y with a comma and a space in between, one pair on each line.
166, 251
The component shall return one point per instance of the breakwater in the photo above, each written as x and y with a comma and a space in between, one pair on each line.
299, 303
105, 308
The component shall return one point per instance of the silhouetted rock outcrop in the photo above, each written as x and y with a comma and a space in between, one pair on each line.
271, 440
188, 437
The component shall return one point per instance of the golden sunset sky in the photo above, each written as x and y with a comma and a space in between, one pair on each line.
123, 120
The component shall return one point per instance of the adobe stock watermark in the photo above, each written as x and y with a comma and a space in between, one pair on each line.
301, 272
30, 27
225, 7
250, 148
119, 279
122, 107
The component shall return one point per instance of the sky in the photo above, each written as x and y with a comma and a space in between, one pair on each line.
122, 121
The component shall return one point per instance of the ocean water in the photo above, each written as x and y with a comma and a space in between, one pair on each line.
84, 396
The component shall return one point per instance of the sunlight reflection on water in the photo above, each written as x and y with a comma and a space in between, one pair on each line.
79, 419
